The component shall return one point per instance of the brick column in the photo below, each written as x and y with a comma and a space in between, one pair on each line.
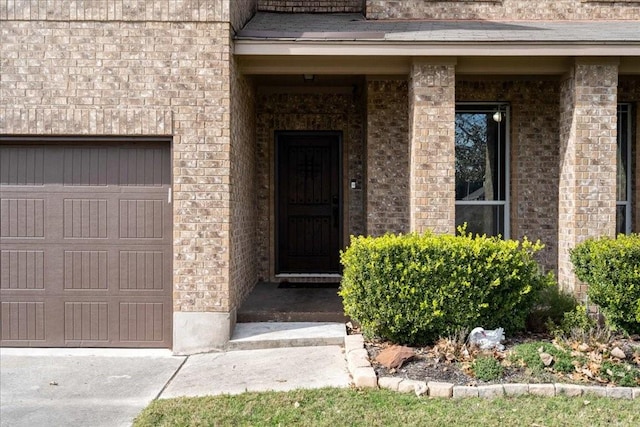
587, 188
387, 165
432, 145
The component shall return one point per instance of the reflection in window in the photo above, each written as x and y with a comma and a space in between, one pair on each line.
623, 175
481, 168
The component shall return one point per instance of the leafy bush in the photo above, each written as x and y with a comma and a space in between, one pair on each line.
620, 373
611, 268
415, 288
528, 354
550, 310
487, 368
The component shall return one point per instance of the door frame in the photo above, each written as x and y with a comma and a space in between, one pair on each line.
338, 135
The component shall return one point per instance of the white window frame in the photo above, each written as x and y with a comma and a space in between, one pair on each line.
504, 108
625, 109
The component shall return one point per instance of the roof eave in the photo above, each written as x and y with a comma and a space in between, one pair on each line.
308, 47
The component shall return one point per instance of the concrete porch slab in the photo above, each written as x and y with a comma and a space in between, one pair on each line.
260, 335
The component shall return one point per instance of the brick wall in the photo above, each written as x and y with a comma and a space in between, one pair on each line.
243, 189
387, 180
432, 147
121, 10
534, 143
503, 9
306, 111
311, 6
587, 187
138, 78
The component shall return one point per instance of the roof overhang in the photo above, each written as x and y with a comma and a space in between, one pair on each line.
274, 43
363, 48
400, 65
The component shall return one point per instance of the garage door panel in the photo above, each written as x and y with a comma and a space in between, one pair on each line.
142, 219
21, 218
85, 255
22, 166
86, 269
85, 166
85, 218
22, 269
142, 322
148, 167
86, 321
23, 321
142, 270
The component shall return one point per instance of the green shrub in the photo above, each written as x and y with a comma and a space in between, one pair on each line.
621, 374
414, 288
574, 324
487, 368
528, 354
550, 310
611, 268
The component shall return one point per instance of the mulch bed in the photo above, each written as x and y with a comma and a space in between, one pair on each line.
443, 362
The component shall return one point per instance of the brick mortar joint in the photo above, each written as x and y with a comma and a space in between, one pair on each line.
559, 388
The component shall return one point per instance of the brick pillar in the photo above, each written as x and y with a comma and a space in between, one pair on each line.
432, 146
587, 188
387, 165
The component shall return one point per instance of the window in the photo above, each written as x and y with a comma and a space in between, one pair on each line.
623, 175
482, 187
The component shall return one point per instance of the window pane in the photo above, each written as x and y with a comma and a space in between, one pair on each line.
480, 219
623, 154
621, 219
479, 157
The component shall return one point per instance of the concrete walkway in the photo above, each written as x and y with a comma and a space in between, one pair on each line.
100, 387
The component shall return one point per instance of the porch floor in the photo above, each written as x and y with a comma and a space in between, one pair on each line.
269, 303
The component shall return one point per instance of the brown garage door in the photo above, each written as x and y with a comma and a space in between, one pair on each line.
85, 243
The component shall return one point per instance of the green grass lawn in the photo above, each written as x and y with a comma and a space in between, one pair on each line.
349, 407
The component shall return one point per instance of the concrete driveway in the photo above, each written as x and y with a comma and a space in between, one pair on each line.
99, 387
58, 387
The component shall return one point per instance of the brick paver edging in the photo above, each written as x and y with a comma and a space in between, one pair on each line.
364, 375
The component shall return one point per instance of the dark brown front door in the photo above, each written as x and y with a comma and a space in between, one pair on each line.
308, 202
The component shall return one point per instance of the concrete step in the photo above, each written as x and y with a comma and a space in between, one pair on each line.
261, 335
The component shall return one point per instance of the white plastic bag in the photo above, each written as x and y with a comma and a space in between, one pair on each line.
487, 340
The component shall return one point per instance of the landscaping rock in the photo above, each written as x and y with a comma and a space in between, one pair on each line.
594, 390
618, 353
460, 391
547, 390
353, 342
546, 358
365, 377
620, 392
490, 391
570, 390
409, 386
389, 383
358, 359
393, 357
515, 389
438, 389
635, 393
584, 347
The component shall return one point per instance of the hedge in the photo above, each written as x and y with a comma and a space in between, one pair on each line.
611, 268
413, 288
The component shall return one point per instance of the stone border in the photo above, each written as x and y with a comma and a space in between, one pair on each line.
365, 376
